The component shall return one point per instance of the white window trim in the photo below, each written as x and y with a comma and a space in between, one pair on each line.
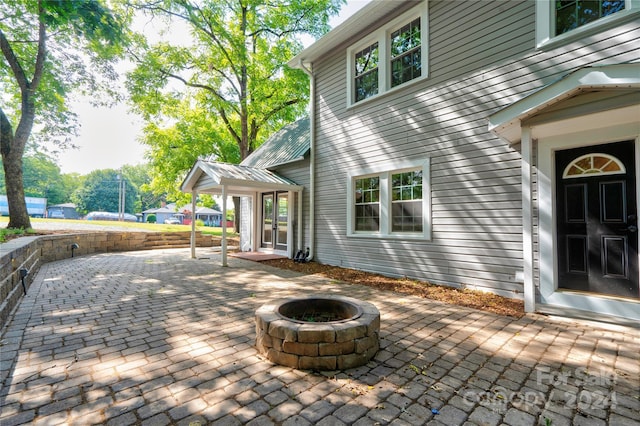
382, 36
384, 172
545, 24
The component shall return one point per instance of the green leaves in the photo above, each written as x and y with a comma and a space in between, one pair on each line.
49, 49
227, 89
82, 38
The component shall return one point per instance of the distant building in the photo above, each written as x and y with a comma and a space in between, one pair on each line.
171, 212
36, 207
63, 211
128, 217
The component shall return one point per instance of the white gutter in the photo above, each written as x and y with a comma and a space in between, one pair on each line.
312, 167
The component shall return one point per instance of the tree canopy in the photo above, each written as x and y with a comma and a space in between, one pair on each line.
42, 178
49, 49
101, 192
228, 88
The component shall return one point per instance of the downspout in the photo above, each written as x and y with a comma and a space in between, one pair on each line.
300, 228
312, 165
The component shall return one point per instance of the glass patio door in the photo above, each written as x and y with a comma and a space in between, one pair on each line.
267, 220
282, 220
275, 220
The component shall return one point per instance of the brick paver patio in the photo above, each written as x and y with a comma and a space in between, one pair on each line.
155, 338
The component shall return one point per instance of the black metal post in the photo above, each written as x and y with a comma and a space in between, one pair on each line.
23, 274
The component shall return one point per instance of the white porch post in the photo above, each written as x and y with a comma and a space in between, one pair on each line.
194, 196
527, 221
224, 225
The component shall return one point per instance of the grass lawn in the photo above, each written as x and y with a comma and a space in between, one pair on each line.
157, 227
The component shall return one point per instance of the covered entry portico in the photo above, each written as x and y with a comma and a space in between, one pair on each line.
267, 223
580, 143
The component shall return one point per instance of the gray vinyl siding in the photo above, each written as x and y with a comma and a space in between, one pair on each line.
482, 57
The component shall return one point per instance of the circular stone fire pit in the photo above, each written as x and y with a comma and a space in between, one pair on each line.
318, 332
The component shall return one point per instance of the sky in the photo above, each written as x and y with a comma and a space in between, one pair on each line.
108, 137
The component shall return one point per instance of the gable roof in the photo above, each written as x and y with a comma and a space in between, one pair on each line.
289, 144
212, 177
207, 210
166, 209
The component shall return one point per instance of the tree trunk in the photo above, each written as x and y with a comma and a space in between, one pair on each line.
12, 145
12, 150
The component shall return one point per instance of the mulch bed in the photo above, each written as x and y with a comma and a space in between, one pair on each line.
469, 298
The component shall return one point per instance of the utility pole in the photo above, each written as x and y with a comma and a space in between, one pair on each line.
121, 197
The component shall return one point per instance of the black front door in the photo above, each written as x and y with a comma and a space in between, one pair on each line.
596, 220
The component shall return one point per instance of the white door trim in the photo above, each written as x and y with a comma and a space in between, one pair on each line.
547, 145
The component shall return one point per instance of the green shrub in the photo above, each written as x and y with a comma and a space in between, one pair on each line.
151, 218
199, 222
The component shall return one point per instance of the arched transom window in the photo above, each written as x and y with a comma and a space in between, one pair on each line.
593, 164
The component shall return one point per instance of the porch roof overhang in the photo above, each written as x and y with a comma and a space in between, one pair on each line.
507, 123
213, 177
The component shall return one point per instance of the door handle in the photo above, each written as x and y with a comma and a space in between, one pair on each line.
632, 228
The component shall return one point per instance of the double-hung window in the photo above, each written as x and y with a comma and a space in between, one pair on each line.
367, 204
366, 72
393, 202
558, 21
406, 201
406, 53
390, 57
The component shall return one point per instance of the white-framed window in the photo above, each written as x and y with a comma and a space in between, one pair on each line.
389, 58
393, 201
562, 21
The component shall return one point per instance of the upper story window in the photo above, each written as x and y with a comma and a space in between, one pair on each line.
406, 53
393, 202
561, 21
571, 14
389, 57
366, 72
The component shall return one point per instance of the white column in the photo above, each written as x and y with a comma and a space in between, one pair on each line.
194, 196
527, 221
224, 225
